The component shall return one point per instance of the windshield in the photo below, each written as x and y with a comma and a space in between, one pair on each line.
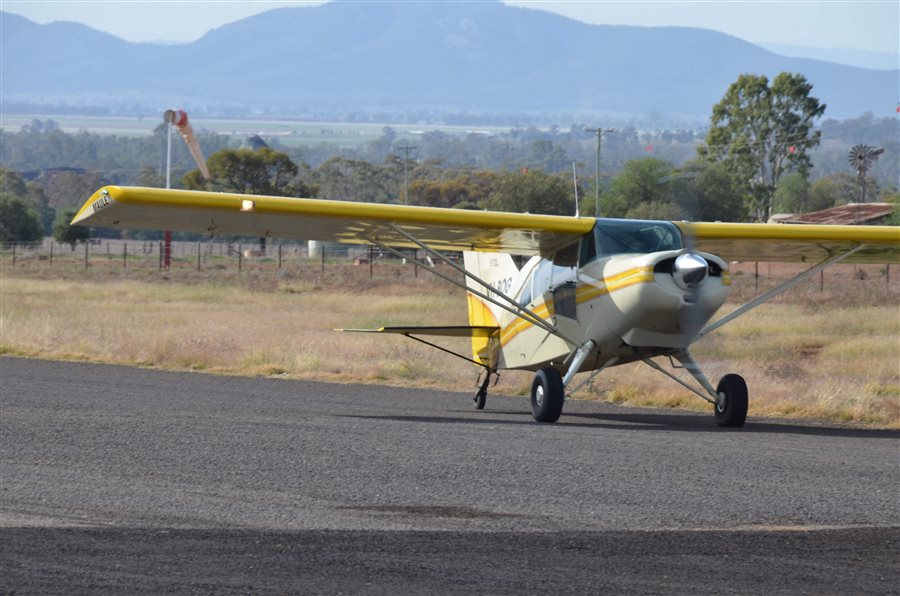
622, 236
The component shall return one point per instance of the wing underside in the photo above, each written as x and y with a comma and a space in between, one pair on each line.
445, 331
229, 215
224, 214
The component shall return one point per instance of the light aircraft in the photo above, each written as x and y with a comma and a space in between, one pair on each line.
595, 292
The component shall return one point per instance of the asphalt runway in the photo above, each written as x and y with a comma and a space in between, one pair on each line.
125, 480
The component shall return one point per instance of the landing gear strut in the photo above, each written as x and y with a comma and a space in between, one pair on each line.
480, 398
729, 398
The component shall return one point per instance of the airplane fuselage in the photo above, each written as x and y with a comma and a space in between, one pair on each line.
631, 304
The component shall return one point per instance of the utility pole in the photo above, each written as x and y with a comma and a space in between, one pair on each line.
167, 235
406, 149
600, 132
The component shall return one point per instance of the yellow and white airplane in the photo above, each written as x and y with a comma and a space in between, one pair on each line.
595, 292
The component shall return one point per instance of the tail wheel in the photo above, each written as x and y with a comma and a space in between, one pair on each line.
731, 406
480, 399
547, 395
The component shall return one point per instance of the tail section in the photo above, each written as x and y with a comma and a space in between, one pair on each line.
499, 271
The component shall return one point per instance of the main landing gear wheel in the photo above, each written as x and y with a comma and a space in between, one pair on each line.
481, 396
480, 399
731, 407
547, 395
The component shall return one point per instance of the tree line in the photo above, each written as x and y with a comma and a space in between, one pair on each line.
755, 159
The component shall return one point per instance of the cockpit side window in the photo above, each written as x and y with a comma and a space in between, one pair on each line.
547, 276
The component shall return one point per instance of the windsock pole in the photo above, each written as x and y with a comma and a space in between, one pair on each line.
179, 119
167, 235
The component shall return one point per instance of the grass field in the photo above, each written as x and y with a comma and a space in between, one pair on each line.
831, 354
288, 132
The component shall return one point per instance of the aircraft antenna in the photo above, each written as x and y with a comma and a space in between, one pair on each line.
575, 182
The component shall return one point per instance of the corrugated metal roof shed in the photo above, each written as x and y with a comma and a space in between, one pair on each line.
849, 214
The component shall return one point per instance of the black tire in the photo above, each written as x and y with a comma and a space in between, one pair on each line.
732, 411
547, 395
480, 399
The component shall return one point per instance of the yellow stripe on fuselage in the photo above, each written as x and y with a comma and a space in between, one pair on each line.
637, 275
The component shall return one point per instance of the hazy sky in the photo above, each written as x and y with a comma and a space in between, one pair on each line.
859, 24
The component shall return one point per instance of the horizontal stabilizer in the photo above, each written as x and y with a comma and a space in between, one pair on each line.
447, 331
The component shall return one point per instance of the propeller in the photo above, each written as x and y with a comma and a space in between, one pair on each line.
689, 271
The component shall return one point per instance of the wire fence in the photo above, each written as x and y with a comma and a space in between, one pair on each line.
210, 256
216, 258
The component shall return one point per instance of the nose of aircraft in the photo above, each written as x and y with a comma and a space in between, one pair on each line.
690, 270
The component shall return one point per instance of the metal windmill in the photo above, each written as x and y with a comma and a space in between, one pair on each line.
863, 157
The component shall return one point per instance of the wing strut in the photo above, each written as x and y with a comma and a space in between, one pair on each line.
777, 290
451, 352
516, 309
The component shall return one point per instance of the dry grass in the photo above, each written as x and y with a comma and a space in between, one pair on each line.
832, 354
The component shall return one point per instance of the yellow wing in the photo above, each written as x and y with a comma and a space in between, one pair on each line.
224, 214
794, 242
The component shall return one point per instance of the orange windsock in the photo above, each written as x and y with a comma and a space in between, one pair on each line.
180, 119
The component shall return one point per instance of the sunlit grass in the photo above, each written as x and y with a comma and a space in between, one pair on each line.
801, 357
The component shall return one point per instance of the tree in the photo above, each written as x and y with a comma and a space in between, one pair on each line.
345, 179
532, 192
31, 194
68, 234
831, 191
12, 182
764, 132
640, 190
149, 176
261, 172
68, 189
18, 223
792, 194
464, 189
707, 192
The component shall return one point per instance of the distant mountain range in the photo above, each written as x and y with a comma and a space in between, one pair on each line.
473, 57
850, 57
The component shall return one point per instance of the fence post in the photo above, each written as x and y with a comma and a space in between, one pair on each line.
323, 257
124, 256
279, 255
51, 253
160, 255
14, 255
198, 256
371, 261
86, 250
240, 258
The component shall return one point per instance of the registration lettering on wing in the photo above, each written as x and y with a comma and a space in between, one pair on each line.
103, 201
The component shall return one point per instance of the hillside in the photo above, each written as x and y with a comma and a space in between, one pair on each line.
439, 57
